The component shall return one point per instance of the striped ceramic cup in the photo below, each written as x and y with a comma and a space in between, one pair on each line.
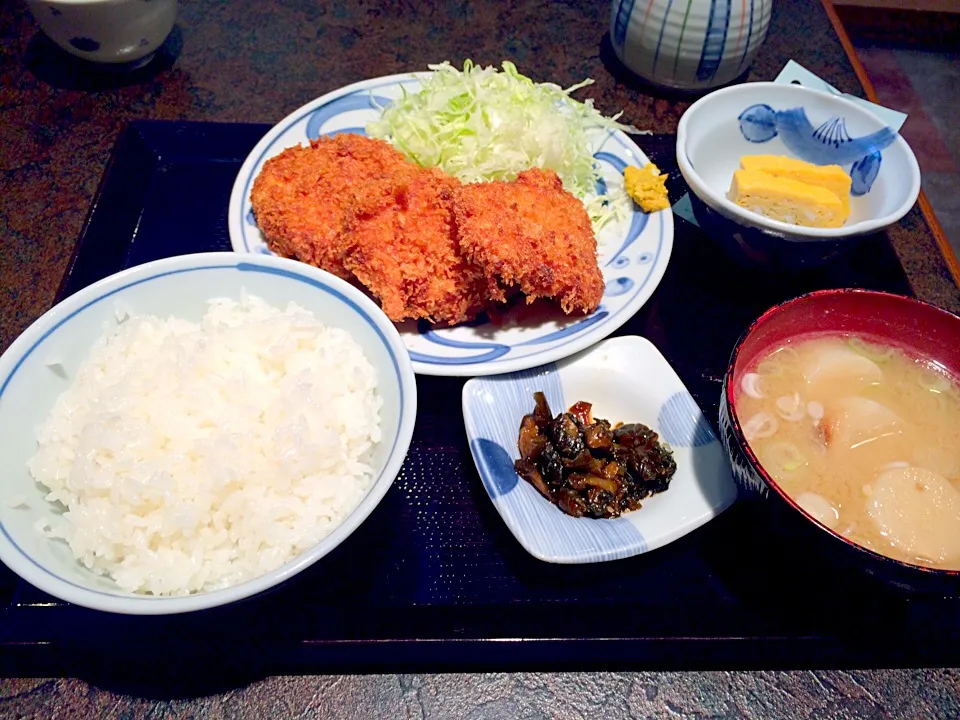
688, 44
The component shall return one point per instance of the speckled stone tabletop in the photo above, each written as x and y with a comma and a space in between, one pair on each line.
248, 61
913, 694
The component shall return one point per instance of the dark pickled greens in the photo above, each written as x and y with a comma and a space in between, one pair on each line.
586, 466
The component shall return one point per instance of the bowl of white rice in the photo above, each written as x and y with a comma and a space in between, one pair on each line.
196, 430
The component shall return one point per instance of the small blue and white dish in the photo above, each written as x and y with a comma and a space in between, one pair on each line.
801, 123
606, 376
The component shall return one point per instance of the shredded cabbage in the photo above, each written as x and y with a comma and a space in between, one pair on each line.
481, 124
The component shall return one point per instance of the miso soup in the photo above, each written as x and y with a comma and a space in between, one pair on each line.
864, 437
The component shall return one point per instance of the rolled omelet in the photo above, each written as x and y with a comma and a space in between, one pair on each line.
787, 200
829, 177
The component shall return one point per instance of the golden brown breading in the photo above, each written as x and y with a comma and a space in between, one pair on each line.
300, 197
533, 234
400, 242
424, 245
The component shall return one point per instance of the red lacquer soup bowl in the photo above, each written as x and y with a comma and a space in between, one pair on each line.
919, 328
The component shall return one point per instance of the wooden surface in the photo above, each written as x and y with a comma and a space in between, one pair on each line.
922, 202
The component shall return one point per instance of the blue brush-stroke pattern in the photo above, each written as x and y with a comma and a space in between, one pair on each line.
639, 220
599, 314
833, 132
618, 163
347, 131
863, 174
758, 123
492, 351
828, 144
500, 477
497, 405
637, 225
493, 354
361, 100
682, 423
798, 134
711, 55
746, 47
621, 22
493, 407
618, 286
663, 26
600, 186
251, 219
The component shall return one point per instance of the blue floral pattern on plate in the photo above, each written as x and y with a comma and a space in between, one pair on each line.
633, 253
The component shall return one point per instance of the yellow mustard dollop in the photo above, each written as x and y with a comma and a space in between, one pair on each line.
647, 186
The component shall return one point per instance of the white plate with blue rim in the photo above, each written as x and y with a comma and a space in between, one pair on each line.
633, 251
627, 380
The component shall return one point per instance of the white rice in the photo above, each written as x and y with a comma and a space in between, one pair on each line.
192, 457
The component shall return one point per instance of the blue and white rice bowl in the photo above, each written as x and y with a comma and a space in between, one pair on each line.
40, 364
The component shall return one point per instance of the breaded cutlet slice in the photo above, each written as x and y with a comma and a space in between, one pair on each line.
400, 242
531, 234
300, 197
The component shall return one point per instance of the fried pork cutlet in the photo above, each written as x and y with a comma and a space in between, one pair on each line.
300, 197
401, 243
531, 234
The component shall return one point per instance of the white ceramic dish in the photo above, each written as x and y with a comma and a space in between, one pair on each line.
628, 380
178, 286
633, 253
803, 123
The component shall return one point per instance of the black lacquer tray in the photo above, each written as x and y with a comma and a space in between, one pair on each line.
433, 580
